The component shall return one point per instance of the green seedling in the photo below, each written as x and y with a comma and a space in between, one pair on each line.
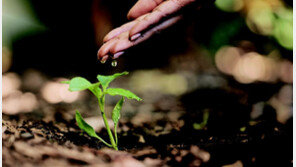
202, 125
100, 90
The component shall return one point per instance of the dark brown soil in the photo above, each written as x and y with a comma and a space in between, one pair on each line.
36, 140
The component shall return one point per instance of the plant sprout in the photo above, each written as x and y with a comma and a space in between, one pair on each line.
100, 90
202, 125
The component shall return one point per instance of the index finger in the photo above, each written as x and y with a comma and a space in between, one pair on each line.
143, 7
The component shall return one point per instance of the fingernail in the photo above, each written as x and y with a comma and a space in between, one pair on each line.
116, 55
135, 37
103, 60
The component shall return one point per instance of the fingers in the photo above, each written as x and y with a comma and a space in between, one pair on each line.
113, 46
158, 28
142, 7
164, 9
104, 50
116, 46
144, 21
135, 31
126, 27
119, 30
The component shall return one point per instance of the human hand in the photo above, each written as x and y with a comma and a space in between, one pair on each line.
150, 17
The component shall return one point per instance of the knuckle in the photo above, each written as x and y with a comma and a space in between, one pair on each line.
160, 12
146, 18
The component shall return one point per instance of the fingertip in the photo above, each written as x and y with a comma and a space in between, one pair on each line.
99, 53
105, 49
109, 36
130, 15
134, 37
102, 52
106, 39
104, 59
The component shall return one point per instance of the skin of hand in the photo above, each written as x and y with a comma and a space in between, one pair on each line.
147, 18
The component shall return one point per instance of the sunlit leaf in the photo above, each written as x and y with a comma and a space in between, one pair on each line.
283, 32
122, 92
116, 111
78, 84
106, 79
229, 5
65, 82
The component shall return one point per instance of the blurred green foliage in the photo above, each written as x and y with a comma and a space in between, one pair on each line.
18, 20
263, 17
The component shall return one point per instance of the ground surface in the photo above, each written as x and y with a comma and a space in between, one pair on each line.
163, 137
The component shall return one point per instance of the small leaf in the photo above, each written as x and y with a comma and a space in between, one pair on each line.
116, 111
65, 82
106, 79
85, 126
206, 116
78, 84
122, 92
198, 126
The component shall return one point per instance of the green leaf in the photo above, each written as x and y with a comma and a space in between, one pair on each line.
85, 126
116, 111
106, 79
96, 90
122, 92
206, 116
199, 126
65, 82
78, 84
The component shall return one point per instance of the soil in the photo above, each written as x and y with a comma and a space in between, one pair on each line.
229, 138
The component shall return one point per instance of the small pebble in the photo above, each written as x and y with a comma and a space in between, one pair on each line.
141, 139
178, 158
27, 135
